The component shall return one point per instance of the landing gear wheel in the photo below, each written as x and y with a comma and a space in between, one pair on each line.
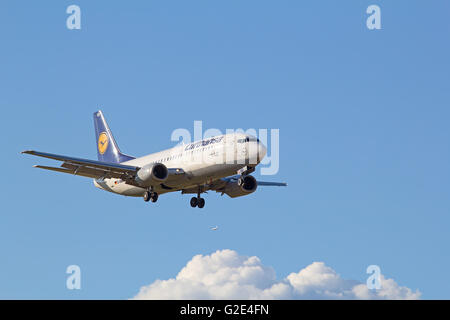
147, 196
154, 197
201, 203
194, 202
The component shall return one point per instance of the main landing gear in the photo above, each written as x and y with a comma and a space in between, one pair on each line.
197, 201
150, 196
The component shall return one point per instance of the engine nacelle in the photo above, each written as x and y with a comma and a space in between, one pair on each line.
245, 185
152, 174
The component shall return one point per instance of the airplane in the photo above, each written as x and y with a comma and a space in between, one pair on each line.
220, 163
214, 228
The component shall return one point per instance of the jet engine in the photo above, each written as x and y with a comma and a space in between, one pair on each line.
243, 186
152, 174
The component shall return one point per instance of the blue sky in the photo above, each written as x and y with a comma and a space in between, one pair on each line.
363, 118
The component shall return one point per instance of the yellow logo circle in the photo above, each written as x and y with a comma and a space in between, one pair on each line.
102, 142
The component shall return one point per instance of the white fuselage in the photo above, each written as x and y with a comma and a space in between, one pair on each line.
200, 163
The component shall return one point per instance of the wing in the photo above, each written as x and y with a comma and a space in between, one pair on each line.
219, 185
88, 168
260, 183
274, 184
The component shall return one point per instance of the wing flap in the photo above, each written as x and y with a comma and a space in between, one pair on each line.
83, 174
90, 172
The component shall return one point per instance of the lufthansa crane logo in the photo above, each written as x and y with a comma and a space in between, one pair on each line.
102, 142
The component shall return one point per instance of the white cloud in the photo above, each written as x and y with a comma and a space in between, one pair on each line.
227, 275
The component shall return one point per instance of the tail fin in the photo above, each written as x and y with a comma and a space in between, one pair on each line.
107, 149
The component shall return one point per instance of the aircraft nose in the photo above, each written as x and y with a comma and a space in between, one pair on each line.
262, 150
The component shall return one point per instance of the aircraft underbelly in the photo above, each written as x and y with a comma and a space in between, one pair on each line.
119, 188
202, 175
195, 176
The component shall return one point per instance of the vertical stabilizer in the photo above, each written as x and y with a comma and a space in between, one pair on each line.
107, 148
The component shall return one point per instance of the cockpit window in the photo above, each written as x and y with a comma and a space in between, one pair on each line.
247, 139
